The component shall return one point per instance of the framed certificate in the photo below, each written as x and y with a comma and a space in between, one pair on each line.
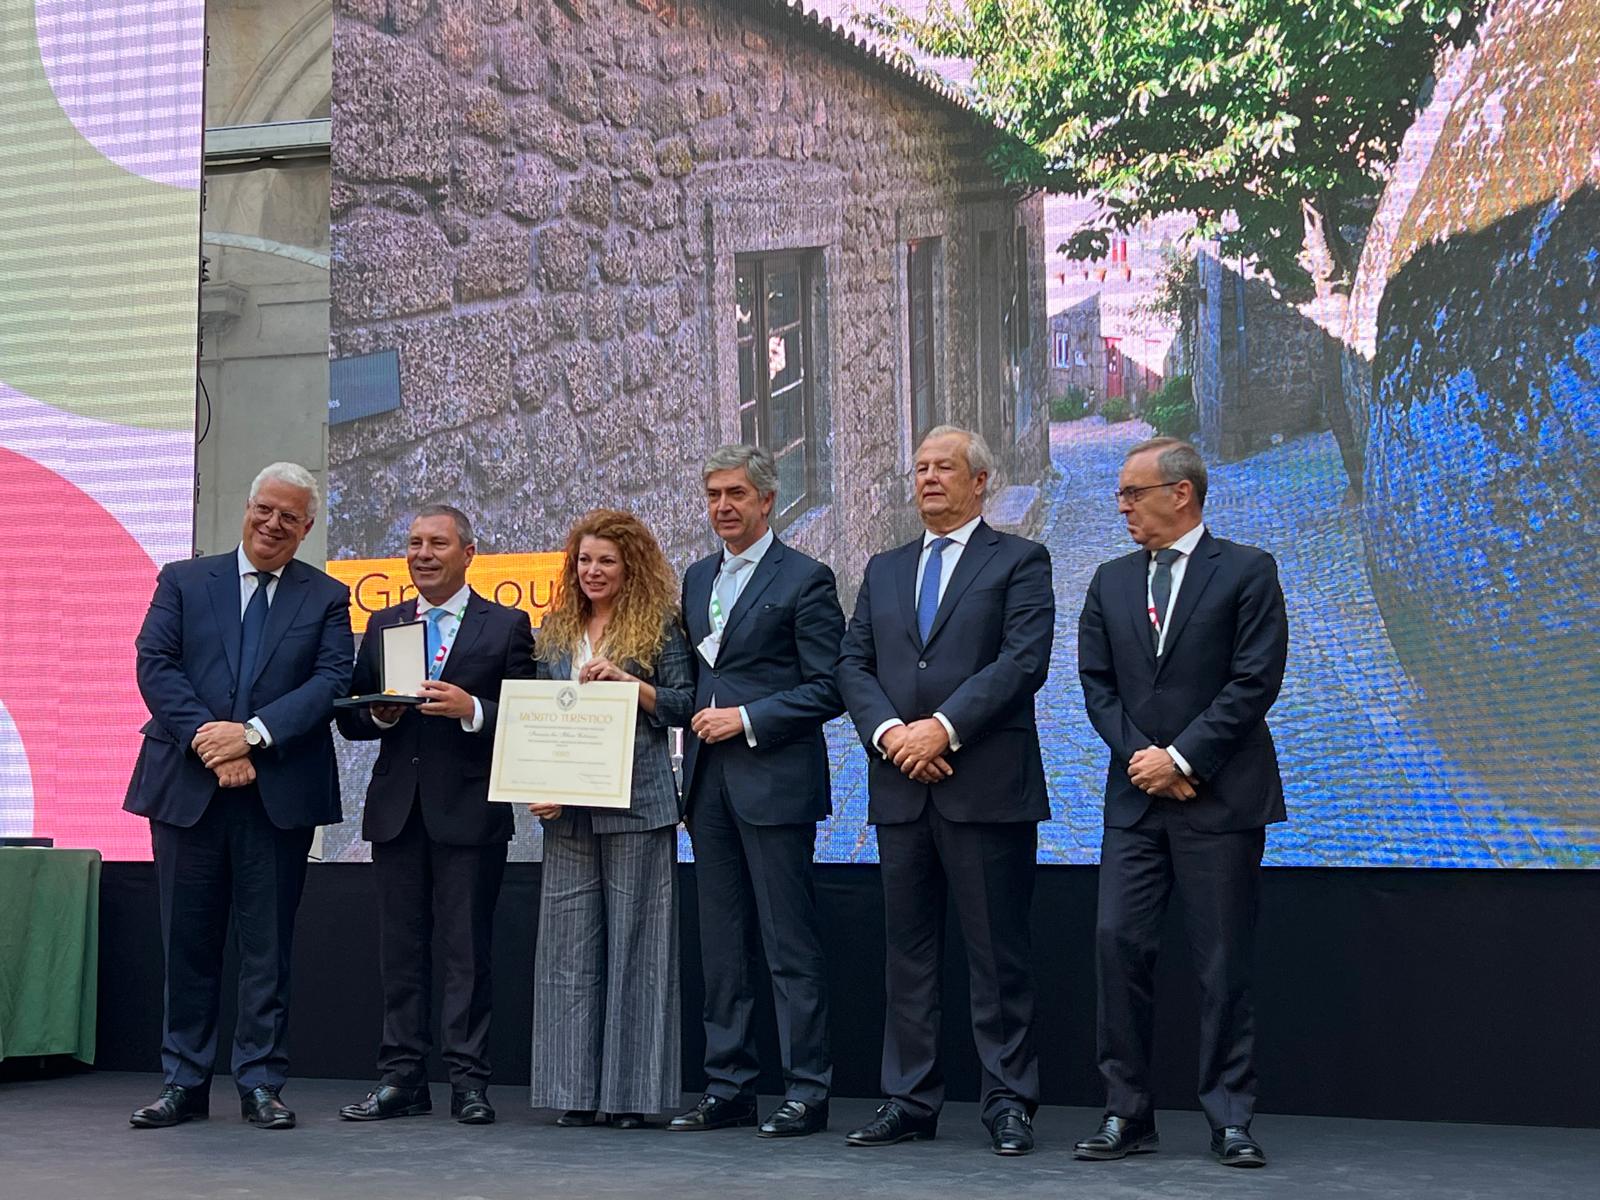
557, 742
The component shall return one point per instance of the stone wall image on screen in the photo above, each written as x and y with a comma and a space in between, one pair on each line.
605, 237
1483, 438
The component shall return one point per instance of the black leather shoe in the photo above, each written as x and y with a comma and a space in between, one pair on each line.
1234, 1147
1011, 1134
384, 1101
713, 1112
576, 1118
262, 1107
472, 1107
795, 1118
174, 1106
893, 1124
626, 1121
1119, 1137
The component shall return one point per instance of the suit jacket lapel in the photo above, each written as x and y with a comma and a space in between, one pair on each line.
697, 598
905, 583
287, 598
1133, 602
765, 572
1197, 573
472, 619
224, 589
981, 547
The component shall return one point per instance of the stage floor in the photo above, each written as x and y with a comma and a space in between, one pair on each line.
69, 1139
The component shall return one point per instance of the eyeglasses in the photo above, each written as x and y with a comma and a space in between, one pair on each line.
286, 518
1132, 494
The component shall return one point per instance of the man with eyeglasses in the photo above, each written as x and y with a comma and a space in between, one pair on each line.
1181, 651
240, 659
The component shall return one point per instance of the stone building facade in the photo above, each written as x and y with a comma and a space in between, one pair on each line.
605, 236
1105, 337
1264, 369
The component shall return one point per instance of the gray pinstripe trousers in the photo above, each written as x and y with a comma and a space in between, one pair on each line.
606, 1024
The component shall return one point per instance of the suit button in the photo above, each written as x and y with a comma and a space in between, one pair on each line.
716, 674
922, 666
415, 761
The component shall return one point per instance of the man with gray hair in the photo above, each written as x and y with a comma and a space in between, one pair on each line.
948, 646
240, 659
1181, 652
766, 623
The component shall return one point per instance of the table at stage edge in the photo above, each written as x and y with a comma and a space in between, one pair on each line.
49, 951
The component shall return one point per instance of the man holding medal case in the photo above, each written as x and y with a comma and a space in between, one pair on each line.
438, 845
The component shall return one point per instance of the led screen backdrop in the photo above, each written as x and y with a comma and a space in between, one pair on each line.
602, 238
100, 154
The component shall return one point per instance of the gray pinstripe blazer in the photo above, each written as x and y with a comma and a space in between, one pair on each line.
656, 804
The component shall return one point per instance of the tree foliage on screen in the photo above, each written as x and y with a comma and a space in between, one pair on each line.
1256, 116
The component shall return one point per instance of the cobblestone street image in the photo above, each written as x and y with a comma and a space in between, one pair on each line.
1366, 783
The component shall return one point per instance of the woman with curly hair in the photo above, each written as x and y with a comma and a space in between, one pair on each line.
605, 976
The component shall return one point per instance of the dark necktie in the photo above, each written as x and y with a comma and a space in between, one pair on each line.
251, 627
1161, 590
928, 596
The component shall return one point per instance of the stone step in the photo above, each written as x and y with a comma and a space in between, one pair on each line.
1017, 509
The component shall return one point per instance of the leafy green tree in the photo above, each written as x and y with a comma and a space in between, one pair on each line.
1263, 118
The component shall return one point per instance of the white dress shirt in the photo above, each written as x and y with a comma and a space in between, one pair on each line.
752, 554
580, 658
1185, 547
947, 563
249, 581
455, 610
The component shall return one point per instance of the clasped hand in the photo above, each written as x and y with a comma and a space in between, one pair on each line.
217, 742
712, 725
1152, 770
918, 749
221, 746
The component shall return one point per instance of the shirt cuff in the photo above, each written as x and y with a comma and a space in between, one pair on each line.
950, 730
1180, 762
877, 734
476, 723
255, 723
749, 733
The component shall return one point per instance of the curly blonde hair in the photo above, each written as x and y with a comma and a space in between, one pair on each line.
647, 602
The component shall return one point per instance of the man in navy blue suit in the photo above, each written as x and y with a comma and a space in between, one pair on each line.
438, 844
766, 623
948, 645
239, 661
1181, 652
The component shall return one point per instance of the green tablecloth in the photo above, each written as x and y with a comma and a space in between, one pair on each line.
49, 951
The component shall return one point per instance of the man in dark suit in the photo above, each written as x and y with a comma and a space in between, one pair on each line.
1181, 650
766, 623
948, 645
240, 659
438, 845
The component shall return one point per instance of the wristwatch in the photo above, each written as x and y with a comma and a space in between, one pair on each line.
252, 737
